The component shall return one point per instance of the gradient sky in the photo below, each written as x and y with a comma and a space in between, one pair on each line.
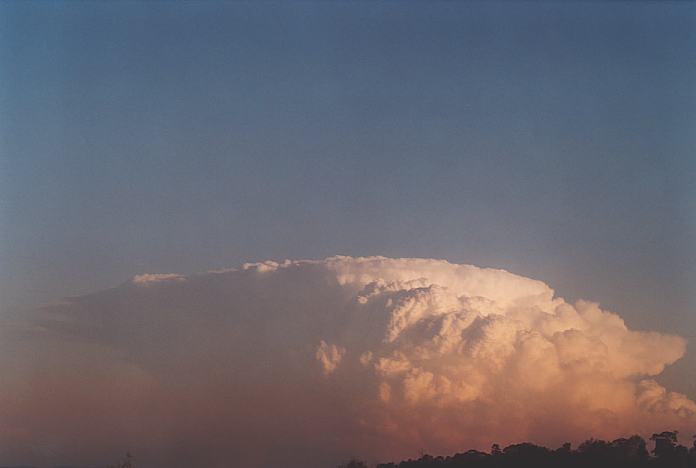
555, 140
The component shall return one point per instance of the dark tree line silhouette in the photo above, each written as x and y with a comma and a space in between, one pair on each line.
629, 452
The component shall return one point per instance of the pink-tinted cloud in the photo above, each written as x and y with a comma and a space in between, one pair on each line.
310, 362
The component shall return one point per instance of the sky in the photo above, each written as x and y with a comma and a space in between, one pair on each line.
554, 140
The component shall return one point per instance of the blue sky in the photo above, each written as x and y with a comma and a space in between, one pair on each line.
555, 140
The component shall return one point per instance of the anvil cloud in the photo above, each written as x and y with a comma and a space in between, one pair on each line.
310, 362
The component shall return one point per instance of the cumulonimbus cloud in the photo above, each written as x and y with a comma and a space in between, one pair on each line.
310, 362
